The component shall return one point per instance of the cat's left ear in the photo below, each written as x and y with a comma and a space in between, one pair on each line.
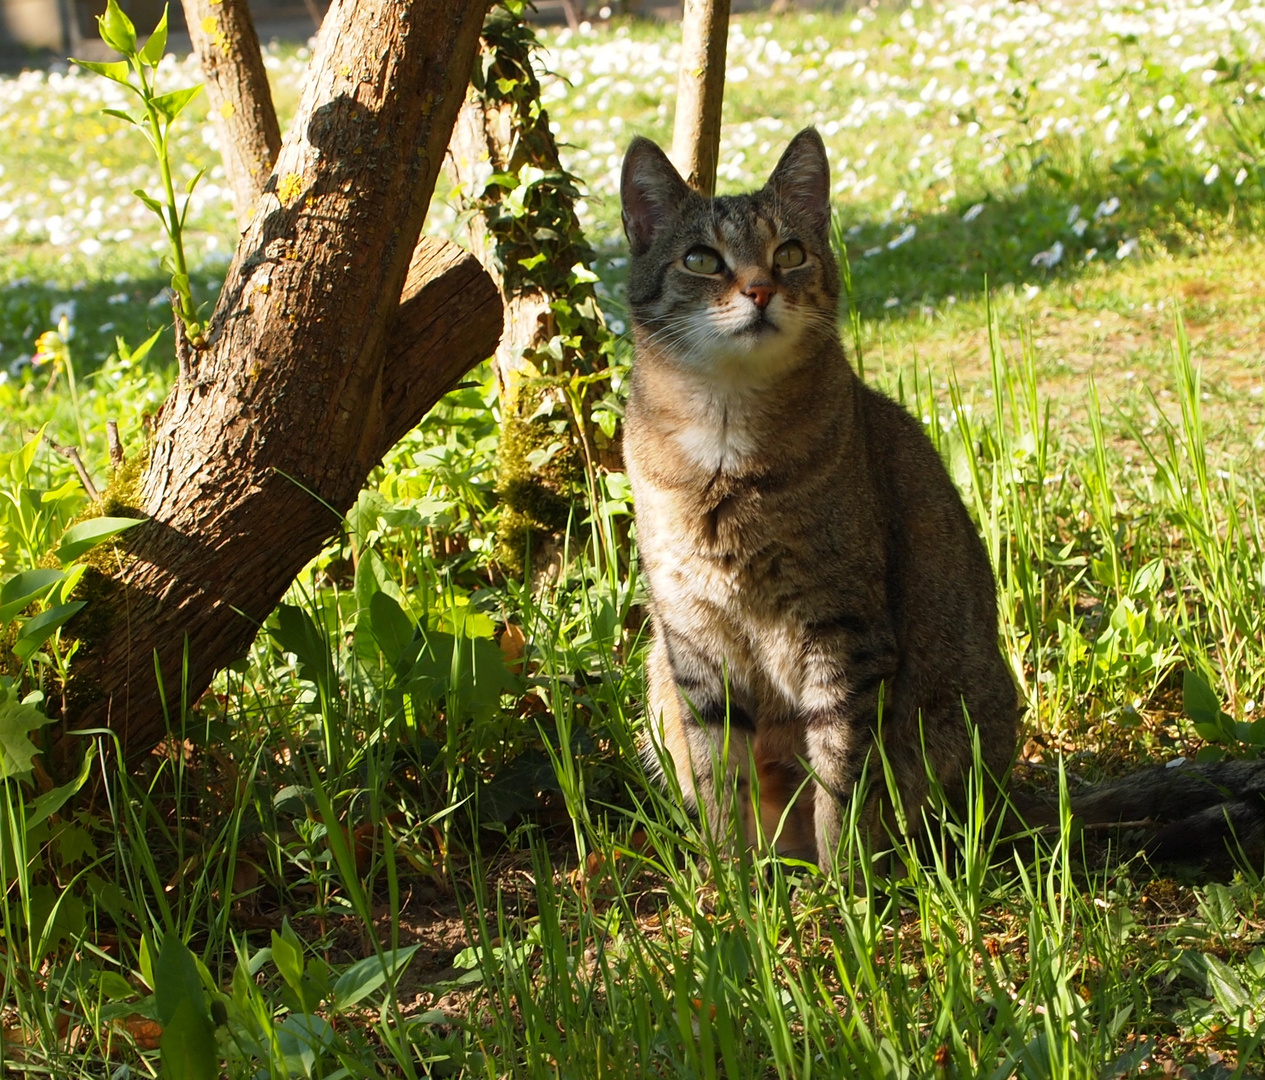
651, 191
801, 178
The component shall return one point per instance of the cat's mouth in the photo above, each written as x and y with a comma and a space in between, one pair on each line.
758, 326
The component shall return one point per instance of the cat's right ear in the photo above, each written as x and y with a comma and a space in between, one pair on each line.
650, 190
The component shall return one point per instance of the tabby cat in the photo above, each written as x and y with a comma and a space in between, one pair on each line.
811, 566
816, 582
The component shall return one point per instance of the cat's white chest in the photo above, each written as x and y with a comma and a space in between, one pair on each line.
718, 436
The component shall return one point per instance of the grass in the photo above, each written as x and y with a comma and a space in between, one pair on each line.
410, 833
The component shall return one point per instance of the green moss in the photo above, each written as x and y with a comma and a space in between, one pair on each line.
536, 501
98, 587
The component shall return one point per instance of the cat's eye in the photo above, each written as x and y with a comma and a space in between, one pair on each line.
789, 255
703, 260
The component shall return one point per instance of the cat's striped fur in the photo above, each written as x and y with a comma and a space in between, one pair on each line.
808, 556
806, 553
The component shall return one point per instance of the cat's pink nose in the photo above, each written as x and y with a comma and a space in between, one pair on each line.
761, 294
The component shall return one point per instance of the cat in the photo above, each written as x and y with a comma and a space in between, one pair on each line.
810, 564
816, 584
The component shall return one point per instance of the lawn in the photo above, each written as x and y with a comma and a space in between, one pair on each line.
446, 859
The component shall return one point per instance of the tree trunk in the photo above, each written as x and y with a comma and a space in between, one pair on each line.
223, 36
314, 368
525, 230
700, 91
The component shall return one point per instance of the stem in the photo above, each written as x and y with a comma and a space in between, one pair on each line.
158, 138
74, 398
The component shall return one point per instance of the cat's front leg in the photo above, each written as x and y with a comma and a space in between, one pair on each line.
848, 663
695, 721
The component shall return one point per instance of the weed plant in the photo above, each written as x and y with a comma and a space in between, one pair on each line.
410, 833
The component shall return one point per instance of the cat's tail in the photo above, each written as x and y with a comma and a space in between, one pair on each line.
1209, 814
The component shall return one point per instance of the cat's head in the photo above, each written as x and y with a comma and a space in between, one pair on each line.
740, 286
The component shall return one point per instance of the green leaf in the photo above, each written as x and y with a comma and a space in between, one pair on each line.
115, 70
17, 752
173, 104
392, 628
20, 463
1202, 706
88, 534
51, 801
142, 350
117, 30
121, 115
23, 589
152, 203
42, 627
176, 978
296, 632
114, 986
188, 1043
288, 956
363, 978
193, 180
157, 43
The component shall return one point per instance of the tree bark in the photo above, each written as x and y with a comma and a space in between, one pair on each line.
314, 368
700, 92
223, 36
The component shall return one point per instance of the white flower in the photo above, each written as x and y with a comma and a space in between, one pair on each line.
906, 234
1106, 208
891, 302
1049, 258
973, 212
1073, 214
64, 310
1214, 170
1079, 227
1239, 177
1127, 248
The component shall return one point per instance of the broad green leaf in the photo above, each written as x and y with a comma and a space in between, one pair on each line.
88, 534
296, 632
392, 628
117, 30
1201, 705
1226, 987
188, 1043
114, 986
115, 71
302, 1040
173, 104
363, 978
17, 752
176, 978
157, 43
288, 957
51, 801
23, 589
43, 626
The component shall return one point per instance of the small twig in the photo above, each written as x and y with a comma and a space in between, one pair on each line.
117, 460
71, 454
184, 351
